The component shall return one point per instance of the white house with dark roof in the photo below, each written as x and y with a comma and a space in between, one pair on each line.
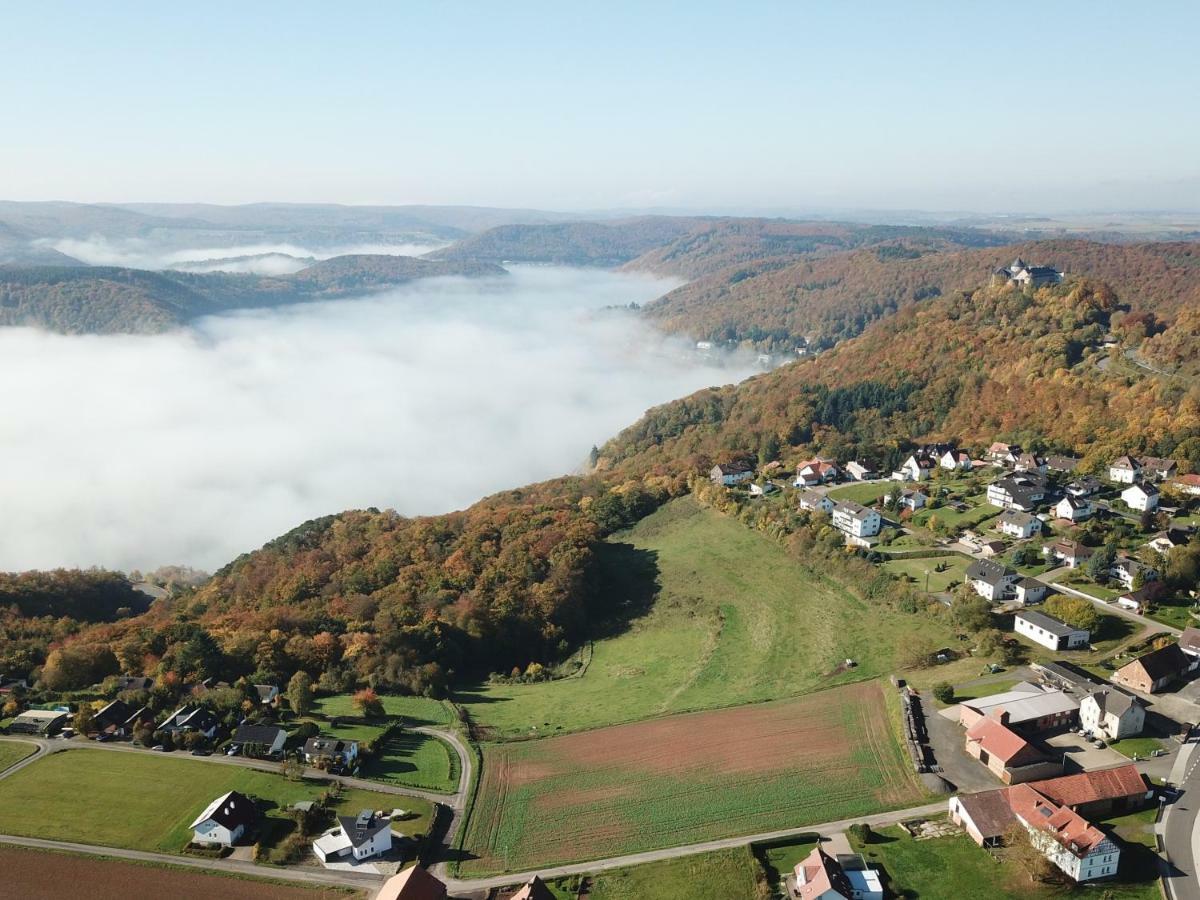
190, 718
992, 580
856, 522
1017, 524
1158, 469
860, 471
332, 750
1124, 470
1030, 591
815, 501
1051, 633
1112, 714
1023, 491
1126, 570
225, 821
355, 838
1141, 496
729, 474
1073, 509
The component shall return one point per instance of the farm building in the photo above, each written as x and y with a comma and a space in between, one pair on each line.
1048, 631
38, 721
225, 821
1006, 754
1030, 708
414, 883
1156, 670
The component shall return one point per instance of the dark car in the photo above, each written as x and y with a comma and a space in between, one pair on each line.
200, 751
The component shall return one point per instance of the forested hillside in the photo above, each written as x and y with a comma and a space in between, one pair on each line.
829, 299
114, 300
605, 244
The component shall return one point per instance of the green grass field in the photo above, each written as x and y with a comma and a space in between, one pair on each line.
865, 494
956, 569
779, 858
976, 690
719, 615
954, 868
723, 875
415, 710
13, 752
972, 517
689, 778
147, 802
1141, 747
416, 760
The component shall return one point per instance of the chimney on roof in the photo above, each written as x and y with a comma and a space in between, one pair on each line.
1002, 716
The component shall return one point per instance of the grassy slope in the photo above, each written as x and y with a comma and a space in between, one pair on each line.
415, 710
13, 752
735, 620
147, 802
416, 760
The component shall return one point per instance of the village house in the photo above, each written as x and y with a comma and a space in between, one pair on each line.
955, 460
1127, 570
332, 751
820, 876
225, 821
1124, 470
1186, 484
860, 471
992, 548
190, 718
1112, 714
1157, 469
1084, 487
1073, 509
914, 500
534, 889
1071, 554
1006, 754
815, 471
1025, 276
1030, 462
1141, 496
268, 694
1168, 540
763, 489
1023, 492
992, 580
1077, 847
358, 837
729, 474
1139, 601
1049, 632
814, 500
1064, 464
1156, 670
1030, 708
265, 739
856, 522
915, 468
1030, 591
134, 683
414, 883
1002, 453
1018, 524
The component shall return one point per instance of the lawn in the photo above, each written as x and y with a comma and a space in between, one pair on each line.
969, 518
954, 868
779, 858
712, 614
410, 759
975, 690
1176, 612
721, 875
955, 570
146, 802
688, 778
414, 710
866, 494
1140, 747
12, 752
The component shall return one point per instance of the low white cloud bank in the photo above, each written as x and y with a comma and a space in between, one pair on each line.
195, 446
272, 258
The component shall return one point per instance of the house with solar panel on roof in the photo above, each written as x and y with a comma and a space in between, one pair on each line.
355, 839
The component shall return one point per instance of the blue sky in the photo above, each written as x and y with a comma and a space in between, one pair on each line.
998, 107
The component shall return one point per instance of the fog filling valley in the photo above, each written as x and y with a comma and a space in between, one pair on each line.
198, 445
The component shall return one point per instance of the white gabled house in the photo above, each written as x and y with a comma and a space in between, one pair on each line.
860, 471
1074, 509
815, 501
1030, 591
955, 460
818, 470
992, 580
1124, 470
1140, 496
915, 468
225, 821
355, 838
729, 474
913, 500
1126, 569
1112, 714
1023, 491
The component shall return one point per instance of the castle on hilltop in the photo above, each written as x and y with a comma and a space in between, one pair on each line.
1026, 276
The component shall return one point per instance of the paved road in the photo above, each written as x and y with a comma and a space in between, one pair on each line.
457, 804
22, 763
617, 862
1178, 828
311, 875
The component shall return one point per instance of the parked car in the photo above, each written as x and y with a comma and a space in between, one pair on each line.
1099, 744
200, 751
159, 748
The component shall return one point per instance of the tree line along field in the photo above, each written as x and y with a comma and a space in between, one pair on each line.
147, 802
714, 615
43, 875
687, 778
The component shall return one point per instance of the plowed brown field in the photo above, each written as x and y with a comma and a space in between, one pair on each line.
688, 778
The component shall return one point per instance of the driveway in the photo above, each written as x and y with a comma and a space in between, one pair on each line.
946, 737
1082, 756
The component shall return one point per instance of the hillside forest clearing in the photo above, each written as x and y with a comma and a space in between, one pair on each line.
688, 778
714, 615
42, 875
146, 801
